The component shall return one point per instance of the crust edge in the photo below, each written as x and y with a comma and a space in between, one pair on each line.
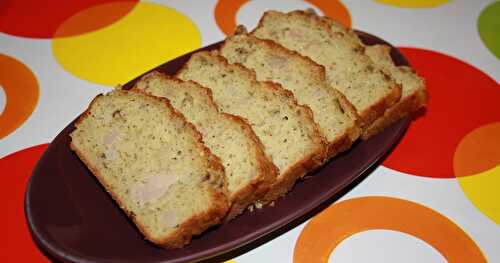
193, 225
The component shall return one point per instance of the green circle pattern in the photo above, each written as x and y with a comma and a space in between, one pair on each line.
489, 28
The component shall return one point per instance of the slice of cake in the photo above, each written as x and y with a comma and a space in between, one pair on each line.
348, 68
304, 78
154, 165
414, 94
290, 136
248, 171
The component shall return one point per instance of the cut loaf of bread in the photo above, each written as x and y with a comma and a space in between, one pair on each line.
304, 78
290, 136
248, 172
154, 165
348, 68
414, 94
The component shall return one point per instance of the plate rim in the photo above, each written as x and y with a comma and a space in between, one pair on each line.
62, 254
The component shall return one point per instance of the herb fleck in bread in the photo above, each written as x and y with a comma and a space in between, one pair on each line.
153, 164
414, 94
304, 78
369, 89
287, 130
249, 173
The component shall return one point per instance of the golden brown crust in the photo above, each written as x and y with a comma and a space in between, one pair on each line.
321, 154
240, 29
407, 105
308, 164
403, 108
377, 110
197, 223
98, 175
307, 14
398, 110
271, 44
369, 115
261, 184
269, 85
352, 133
355, 131
285, 93
287, 178
342, 142
290, 176
267, 172
321, 140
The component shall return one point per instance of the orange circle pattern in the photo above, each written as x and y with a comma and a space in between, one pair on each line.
324, 232
327, 229
478, 151
226, 10
21, 91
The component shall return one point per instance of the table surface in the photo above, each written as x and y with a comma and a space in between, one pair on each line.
435, 198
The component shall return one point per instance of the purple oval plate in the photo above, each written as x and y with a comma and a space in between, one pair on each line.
73, 219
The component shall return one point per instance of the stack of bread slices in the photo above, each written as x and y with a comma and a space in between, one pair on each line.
238, 126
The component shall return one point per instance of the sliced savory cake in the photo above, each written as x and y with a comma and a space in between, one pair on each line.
304, 78
154, 165
348, 68
290, 136
414, 94
249, 173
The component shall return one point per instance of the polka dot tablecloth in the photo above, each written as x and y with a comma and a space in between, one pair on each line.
435, 198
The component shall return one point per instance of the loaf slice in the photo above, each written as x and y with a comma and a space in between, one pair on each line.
338, 28
369, 89
414, 94
249, 172
304, 78
290, 136
154, 165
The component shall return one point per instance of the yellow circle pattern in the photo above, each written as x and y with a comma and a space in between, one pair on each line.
414, 3
148, 36
482, 191
477, 167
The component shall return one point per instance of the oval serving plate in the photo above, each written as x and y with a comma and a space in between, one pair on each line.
73, 218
